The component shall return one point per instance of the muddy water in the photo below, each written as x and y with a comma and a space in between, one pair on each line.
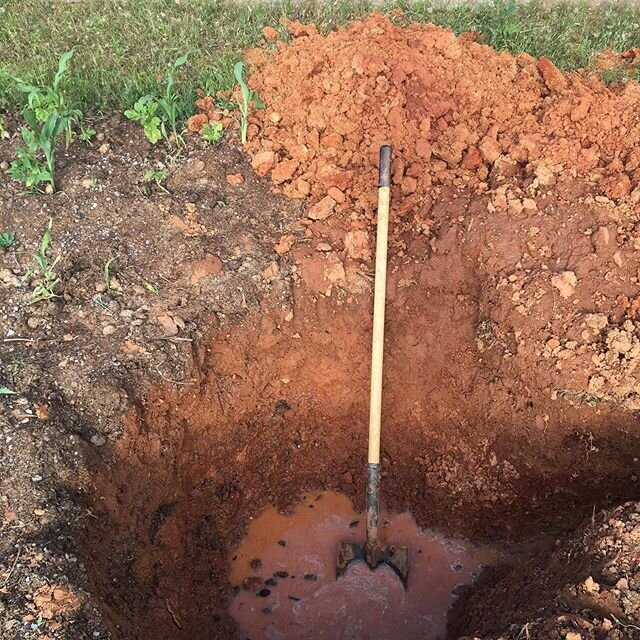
284, 572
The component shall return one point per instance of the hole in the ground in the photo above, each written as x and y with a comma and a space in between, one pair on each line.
279, 406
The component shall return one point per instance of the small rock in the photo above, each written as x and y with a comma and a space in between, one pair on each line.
255, 564
98, 440
198, 166
284, 245
101, 287
33, 323
167, 323
590, 586
310, 577
565, 283
270, 34
108, 330
356, 244
8, 278
234, 179
103, 148
323, 209
271, 272
211, 265
552, 76
263, 593
284, 171
263, 162
252, 583
336, 194
489, 149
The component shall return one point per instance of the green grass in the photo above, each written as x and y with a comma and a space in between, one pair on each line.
123, 46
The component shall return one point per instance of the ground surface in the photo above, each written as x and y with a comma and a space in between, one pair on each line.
226, 366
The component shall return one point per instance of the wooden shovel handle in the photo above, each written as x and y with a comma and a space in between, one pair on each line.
377, 350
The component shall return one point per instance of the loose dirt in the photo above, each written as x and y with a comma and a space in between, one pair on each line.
511, 384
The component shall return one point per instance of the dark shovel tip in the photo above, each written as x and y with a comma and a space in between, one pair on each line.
397, 558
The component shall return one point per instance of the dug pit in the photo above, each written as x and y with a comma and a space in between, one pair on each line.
512, 347
277, 408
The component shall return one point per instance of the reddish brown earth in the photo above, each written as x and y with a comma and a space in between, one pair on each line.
511, 383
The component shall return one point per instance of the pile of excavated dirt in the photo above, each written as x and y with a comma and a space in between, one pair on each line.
530, 173
454, 110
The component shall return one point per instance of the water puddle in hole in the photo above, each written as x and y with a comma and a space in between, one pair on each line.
286, 588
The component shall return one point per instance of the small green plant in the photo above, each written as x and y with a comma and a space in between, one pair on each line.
161, 115
144, 111
48, 278
107, 271
151, 287
503, 26
5, 391
7, 239
47, 116
247, 98
86, 134
156, 176
212, 133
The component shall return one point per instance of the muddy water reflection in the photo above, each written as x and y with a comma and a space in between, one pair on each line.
284, 571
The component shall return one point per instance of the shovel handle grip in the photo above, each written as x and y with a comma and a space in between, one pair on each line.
377, 343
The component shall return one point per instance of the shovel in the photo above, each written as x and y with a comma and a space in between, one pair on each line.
372, 552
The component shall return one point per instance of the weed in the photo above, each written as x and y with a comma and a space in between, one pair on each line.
212, 133
156, 176
47, 115
107, 272
48, 278
503, 26
86, 134
5, 391
247, 98
144, 111
7, 239
160, 116
151, 287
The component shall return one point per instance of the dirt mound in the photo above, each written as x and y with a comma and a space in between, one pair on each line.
533, 172
454, 110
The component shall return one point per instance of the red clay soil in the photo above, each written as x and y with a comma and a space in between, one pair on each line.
507, 134
451, 107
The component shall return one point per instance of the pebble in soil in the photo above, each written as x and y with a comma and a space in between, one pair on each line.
361, 604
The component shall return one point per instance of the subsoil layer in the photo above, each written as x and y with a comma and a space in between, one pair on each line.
511, 377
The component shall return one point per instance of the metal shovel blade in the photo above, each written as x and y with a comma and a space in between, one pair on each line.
395, 557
